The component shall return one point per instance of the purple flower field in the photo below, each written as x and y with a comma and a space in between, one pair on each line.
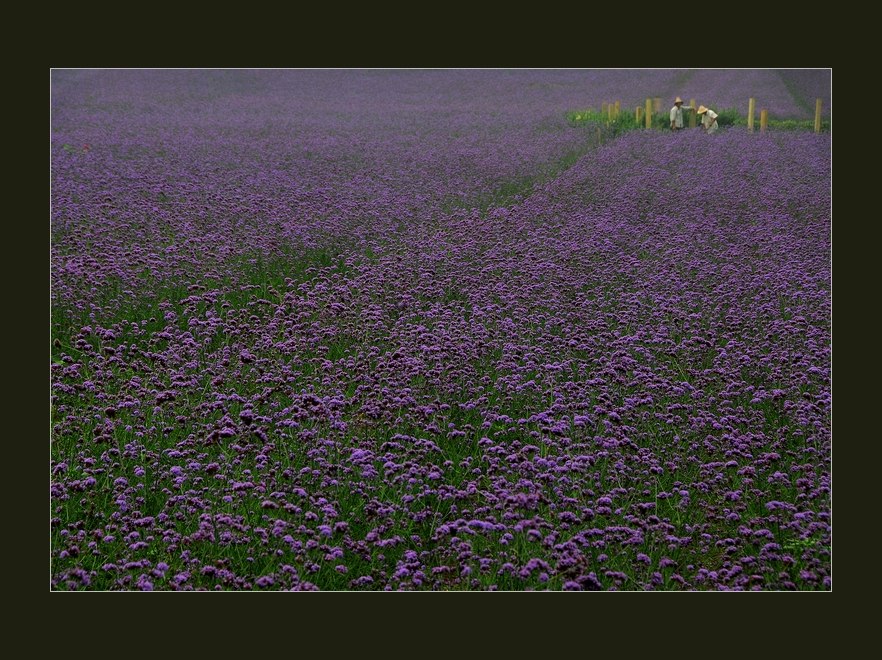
382, 330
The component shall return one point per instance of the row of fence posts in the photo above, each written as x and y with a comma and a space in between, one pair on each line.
764, 117
653, 106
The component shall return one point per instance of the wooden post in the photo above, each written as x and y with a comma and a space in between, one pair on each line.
656, 104
751, 108
638, 115
817, 115
648, 113
692, 115
618, 109
603, 109
764, 120
599, 137
610, 109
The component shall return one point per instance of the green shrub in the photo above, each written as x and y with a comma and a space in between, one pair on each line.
725, 117
729, 117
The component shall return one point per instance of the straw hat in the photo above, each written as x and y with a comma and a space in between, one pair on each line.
678, 100
701, 109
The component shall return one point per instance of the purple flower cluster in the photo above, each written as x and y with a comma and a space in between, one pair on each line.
307, 334
806, 85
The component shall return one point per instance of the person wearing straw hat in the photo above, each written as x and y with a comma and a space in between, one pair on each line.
677, 115
708, 119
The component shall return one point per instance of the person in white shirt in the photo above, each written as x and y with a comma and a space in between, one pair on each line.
708, 120
677, 114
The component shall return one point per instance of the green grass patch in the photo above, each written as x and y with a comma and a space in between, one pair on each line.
626, 121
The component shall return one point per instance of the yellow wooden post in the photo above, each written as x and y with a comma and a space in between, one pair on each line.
618, 109
764, 120
603, 109
656, 104
751, 109
817, 115
610, 109
692, 114
648, 113
638, 115
599, 137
